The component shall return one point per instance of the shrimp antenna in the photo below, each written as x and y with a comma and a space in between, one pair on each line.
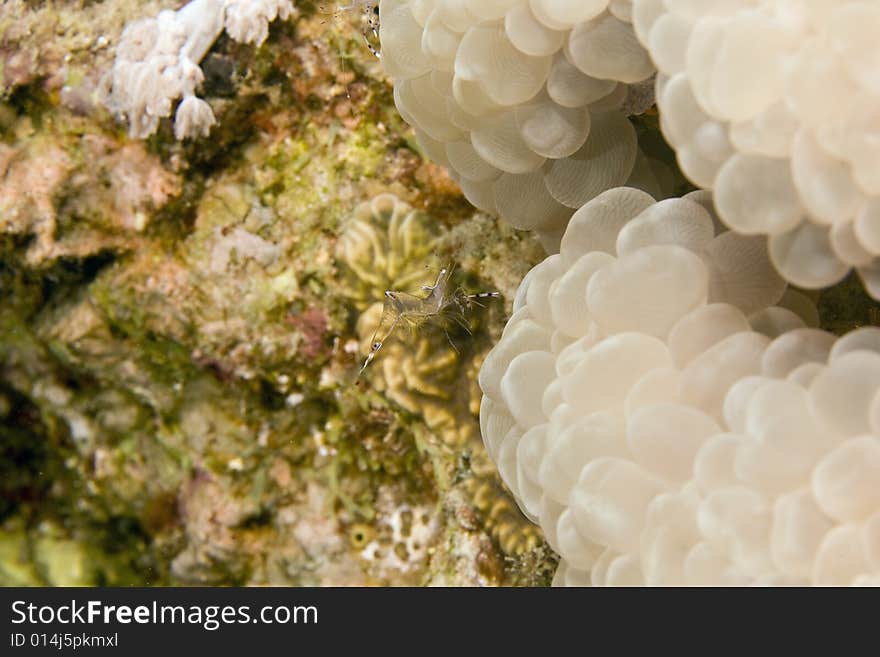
380, 335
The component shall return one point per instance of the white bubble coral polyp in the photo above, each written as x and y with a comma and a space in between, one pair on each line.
776, 106
664, 408
523, 101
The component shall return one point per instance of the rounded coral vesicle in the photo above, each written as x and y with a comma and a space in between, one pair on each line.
774, 106
524, 102
678, 420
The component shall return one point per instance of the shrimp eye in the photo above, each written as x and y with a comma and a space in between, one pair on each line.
376, 345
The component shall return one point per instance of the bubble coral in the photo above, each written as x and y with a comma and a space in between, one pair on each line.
774, 106
157, 61
524, 102
665, 423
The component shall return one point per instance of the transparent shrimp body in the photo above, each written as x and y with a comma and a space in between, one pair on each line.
441, 303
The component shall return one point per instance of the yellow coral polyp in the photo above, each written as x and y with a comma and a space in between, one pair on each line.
387, 245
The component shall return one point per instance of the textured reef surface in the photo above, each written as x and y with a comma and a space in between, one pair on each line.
183, 324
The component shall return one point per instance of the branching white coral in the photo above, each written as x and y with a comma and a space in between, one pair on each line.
157, 61
665, 423
524, 101
774, 104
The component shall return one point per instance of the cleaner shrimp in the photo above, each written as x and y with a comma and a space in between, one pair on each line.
370, 9
440, 303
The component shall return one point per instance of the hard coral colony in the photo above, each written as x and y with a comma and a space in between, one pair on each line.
528, 116
664, 408
662, 401
386, 246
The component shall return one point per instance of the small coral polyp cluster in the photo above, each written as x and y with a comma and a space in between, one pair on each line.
386, 244
664, 408
774, 105
524, 102
157, 61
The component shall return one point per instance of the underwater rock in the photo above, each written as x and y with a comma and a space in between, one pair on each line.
78, 192
525, 103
